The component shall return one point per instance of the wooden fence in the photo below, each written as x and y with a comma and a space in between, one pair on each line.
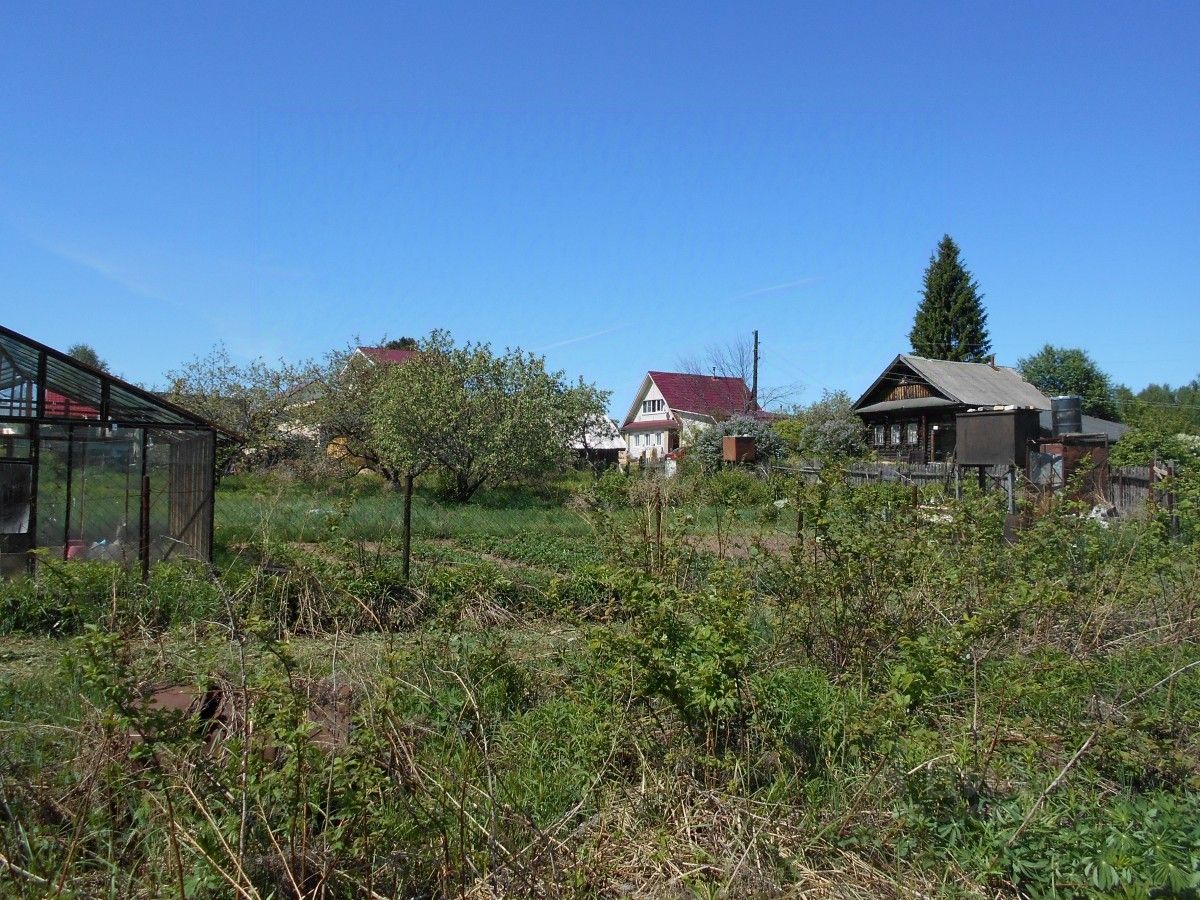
1131, 489
874, 473
1134, 489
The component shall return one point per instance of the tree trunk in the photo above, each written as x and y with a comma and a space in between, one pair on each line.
465, 487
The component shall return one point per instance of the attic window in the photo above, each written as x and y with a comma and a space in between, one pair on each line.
653, 406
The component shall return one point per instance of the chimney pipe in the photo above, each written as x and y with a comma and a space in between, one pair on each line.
992, 360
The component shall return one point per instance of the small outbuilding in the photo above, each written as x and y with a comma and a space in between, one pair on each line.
93, 467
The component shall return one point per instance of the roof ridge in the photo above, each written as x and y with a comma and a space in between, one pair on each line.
653, 372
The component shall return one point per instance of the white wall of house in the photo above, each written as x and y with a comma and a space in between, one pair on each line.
651, 444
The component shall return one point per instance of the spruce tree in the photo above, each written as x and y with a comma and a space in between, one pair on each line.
950, 322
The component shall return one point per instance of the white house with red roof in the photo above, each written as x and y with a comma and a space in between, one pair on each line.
672, 407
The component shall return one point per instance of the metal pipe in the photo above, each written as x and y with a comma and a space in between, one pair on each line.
144, 517
70, 478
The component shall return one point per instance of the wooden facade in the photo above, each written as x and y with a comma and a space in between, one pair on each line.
911, 430
911, 409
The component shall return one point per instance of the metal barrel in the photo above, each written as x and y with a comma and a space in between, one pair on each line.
1066, 414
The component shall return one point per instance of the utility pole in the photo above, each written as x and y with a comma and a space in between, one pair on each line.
754, 381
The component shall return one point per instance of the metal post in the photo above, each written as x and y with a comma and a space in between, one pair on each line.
35, 457
407, 533
144, 517
1010, 483
41, 385
754, 385
144, 531
212, 495
70, 478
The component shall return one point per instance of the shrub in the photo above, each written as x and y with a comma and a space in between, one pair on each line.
735, 488
768, 444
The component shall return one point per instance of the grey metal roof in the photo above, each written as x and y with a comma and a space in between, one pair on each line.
918, 403
1091, 425
977, 384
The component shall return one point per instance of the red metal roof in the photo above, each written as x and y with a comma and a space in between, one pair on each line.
388, 355
706, 395
59, 405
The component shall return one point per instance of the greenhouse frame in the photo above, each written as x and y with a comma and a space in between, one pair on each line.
92, 467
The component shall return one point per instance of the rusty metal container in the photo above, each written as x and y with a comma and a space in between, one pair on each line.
738, 449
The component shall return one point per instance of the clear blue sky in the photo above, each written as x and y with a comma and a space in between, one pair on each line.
615, 184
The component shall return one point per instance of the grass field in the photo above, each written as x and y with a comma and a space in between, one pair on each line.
779, 690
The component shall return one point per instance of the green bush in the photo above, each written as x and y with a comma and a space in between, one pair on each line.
735, 488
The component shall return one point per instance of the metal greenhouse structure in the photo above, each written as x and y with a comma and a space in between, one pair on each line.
92, 467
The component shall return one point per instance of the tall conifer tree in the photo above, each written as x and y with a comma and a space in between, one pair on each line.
950, 322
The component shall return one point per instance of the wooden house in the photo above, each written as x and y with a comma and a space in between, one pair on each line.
910, 408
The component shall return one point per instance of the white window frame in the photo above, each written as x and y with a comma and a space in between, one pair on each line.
894, 434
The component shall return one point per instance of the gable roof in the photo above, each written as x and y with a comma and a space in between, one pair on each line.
388, 354
706, 395
969, 384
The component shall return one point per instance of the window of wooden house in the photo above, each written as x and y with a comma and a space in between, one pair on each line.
878, 435
894, 437
912, 435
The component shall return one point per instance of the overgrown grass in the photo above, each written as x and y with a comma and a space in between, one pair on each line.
610, 697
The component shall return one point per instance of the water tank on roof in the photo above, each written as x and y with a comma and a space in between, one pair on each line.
1066, 414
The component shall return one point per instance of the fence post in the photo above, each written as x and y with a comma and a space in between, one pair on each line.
406, 534
1172, 515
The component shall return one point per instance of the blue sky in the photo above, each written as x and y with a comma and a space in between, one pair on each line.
615, 185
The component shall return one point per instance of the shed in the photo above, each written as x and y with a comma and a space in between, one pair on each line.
93, 467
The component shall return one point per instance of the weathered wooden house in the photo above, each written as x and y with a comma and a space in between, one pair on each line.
910, 408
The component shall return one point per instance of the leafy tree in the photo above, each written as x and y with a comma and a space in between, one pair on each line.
86, 354
950, 322
1069, 370
404, 343
262, 402
767, 442
477, 416
826, 429
1162, 407
339, 409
